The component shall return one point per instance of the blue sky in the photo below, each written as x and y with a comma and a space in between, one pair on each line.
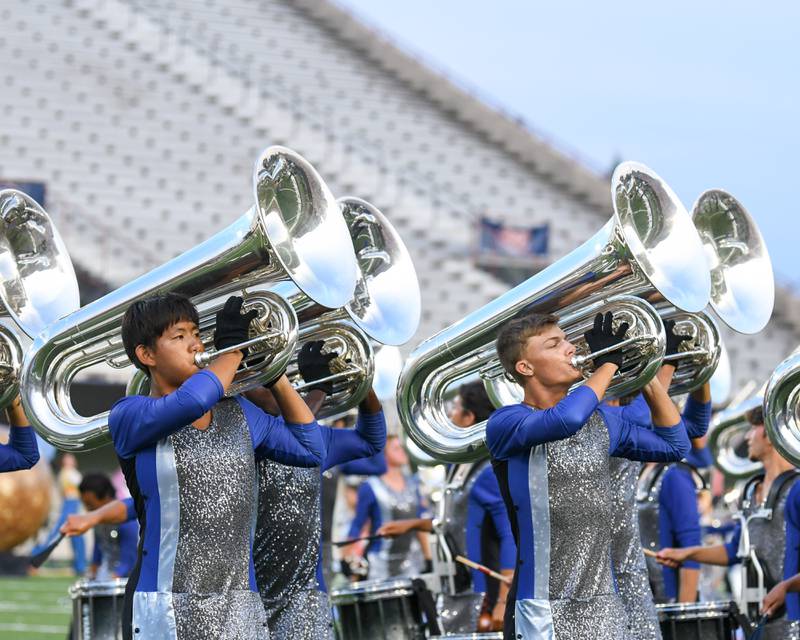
706, 93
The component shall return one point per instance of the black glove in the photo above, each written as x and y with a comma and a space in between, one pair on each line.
232, 326
428, 567
602, 336
313, 365
673, 339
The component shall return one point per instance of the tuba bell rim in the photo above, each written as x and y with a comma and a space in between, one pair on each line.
387, 305
305, 251
41, 296
744, 302
666, 260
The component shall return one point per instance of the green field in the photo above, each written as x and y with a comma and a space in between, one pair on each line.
36, 608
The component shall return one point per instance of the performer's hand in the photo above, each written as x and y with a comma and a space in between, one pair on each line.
77, 524
498, 614
775, 599
672, 558
395, 528
674, 340
602, 336
314, 365
233, 326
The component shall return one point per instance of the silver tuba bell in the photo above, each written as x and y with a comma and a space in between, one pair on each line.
726, 438
649, 248
294, 232
742, 287
782, 408
385, 308
37, 282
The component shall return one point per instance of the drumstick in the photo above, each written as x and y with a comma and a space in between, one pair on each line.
342, 543
484, 570
649, 553
38, 560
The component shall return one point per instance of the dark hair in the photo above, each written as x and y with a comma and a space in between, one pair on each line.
145, 321
475, 399
98, 484
756, 416
513, 336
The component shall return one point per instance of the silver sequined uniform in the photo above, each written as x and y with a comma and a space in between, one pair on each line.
768, 538
460, 612
397, 556
647, 504
627, 559
216, 479
286, 551
583, 601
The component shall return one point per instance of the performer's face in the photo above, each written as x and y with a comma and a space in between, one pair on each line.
548, 357
172, 359
758, 445
395, 454
91, 501
460, 416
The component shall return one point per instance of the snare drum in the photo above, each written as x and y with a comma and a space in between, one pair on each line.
378, 610
698, 620
97, 609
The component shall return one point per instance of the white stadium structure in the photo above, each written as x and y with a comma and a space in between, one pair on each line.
143, 119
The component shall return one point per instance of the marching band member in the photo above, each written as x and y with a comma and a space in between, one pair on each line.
785, 593
21, 452
113, 512
188, 458
765, 501
475, 523
114, 544
286, 550
627, 559
393, 496
551, 456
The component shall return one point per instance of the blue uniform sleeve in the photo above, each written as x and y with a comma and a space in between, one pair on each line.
517, 428
21, 451
791, 559
700, 458
637, 412
656, 444
366, 440
137, 422
372, 466
128, 540
678, 502
130, 509
696, 417
422, 509
732, 546
486, 493
366, 509
296, 445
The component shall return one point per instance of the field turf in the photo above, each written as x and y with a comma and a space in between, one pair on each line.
36, 608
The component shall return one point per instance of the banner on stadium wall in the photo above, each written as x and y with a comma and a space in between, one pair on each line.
35, 190
505, 245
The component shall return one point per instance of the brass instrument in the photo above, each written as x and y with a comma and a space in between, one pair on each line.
782, 408
294, 232
630, 259
37, 282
